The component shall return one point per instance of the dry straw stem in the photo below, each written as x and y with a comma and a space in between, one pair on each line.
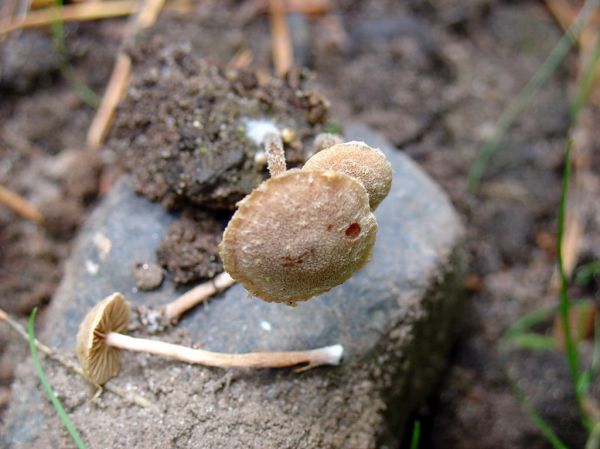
250, 9
99, 341
581, 135
71, 13
196, 296
241, 59
20, 206
280, 38
119, 77
70, 366
113, 94
565, 15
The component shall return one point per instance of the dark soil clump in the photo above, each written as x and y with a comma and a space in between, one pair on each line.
183, 128
189, 251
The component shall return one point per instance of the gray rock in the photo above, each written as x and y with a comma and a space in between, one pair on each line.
395, 319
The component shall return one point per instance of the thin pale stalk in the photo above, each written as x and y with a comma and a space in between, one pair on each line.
70, 13
329, 355
275, 154
197, 295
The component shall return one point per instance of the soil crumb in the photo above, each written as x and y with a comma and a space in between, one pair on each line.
147, 276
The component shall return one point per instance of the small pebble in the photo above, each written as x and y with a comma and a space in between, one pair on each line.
147, 276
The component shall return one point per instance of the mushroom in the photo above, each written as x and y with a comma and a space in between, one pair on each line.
325, 140
100, 340
298, 235
357, 159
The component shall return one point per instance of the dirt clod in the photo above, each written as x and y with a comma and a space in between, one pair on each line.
189, 251
184, 128
147, 276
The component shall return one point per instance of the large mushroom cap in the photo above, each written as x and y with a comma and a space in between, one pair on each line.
298, 235
359, 160
99, 361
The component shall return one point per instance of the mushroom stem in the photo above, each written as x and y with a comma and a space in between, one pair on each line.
197, 295
275, 154
329, 355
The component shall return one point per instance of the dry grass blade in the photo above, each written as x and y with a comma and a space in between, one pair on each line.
581, 133
565, 14
120, 76
280, 39
148, 15
114, 91
313, 7
20, 206
242, 59
71, 13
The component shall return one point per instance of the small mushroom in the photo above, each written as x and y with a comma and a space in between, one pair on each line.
298, 235
325, 140
359, 160
100, 340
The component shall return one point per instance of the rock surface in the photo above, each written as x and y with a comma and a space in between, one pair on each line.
394, 319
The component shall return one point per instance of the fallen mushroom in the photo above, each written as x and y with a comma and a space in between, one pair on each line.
71, 366
357, 159
298, 235
100, 340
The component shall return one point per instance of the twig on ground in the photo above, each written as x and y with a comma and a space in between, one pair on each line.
280, 38
20, 206
71, 366
71, 13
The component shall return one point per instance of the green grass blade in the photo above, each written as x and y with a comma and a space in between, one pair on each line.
564, 300
541, 76
537, 419
87, 95
535, 342
526, 322
587, 272
416, 436
44, 380
586, 84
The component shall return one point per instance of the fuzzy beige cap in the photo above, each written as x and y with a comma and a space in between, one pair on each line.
298, 235
99, 361
359, 160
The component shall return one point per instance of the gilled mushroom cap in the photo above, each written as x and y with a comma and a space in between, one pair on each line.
99, 361
298, 235
359, 160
